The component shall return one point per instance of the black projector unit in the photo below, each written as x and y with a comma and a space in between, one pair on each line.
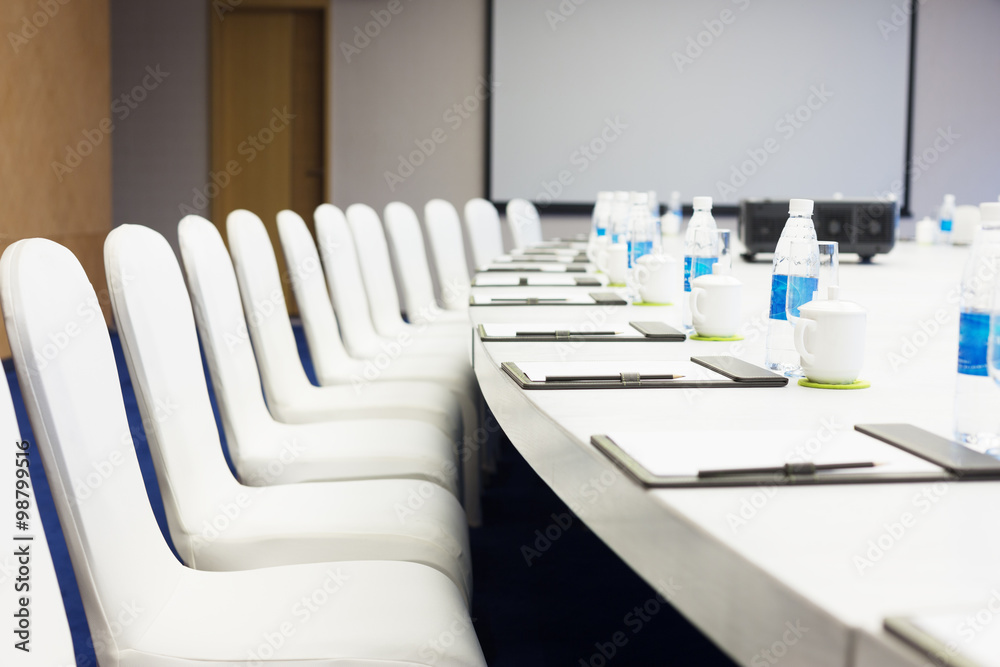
863, 226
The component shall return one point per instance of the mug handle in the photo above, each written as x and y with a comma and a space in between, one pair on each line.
802, 327
697, 317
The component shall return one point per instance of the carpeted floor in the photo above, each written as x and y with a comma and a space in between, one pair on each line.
571, 602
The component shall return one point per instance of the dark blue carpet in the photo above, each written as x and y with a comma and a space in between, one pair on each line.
576, 604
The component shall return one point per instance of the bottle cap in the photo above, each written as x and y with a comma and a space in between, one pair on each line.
721, 269
949, 199
702, 203
675, 199
989, 211
621, 195
640, 198
800, 207
605, 195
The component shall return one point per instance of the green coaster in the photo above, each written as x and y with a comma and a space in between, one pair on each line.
857, 384
617, 285
715, 338
651, 303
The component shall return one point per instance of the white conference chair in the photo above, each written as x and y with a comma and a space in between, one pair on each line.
334, 366
482, 222
291, 397
379, 283
407, 241
361, 612
444, 230
524, 223
215, 522
264, 450
47, 640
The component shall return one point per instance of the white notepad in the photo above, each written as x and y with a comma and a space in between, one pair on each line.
538, 371
951, 639
562, 298
503, 259
511, 280
506, 330
686, 453
528, 266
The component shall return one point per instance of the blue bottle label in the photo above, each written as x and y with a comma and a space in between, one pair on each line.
802, 288
601, 231
945, 225
973, 336
702, 266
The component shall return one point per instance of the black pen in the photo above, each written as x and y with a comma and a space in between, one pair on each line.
606, 378
789, 469
571, 333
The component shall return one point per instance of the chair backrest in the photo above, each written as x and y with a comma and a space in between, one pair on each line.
66, 368
225, 338
403, 230
329, 357
343, 278
525, 226
47, 616
482, 222
157, 332
445, 234
376, 268
266, 313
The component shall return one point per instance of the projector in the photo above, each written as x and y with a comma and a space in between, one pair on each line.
863, 226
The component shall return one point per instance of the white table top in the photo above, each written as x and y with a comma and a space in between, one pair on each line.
747, 564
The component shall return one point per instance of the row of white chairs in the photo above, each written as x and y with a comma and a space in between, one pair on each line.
343, 542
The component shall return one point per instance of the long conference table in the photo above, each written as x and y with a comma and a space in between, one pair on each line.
790, 575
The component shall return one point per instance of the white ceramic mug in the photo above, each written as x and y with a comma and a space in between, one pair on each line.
617, 263
830, 340
716, 305
655, 276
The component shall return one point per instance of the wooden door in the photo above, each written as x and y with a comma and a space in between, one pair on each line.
268, 113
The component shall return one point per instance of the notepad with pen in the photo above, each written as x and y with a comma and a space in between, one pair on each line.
720, 372
549, 299
529, 267
538, 333
549, 280
696, 458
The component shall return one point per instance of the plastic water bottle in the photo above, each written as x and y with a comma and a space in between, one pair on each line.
977, 419
946, 216
619, 217
673, 218
789, 272
601, 221
699, 250
642, 229
654, 210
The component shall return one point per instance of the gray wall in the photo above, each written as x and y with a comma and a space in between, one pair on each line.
160, 151
429, 57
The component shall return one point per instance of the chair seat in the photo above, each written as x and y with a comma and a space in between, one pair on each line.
417, 401
352, 613
346, 450
403, 520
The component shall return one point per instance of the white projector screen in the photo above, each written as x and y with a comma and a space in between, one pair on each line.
728, 98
